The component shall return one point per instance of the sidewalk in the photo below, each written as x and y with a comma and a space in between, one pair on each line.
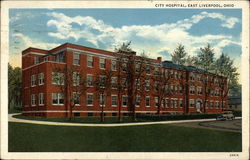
12, 119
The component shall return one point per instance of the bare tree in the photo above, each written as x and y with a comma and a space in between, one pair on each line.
103, 86
72, 82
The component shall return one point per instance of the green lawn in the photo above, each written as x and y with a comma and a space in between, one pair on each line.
155, 138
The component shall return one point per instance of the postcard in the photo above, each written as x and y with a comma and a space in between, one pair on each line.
125, 80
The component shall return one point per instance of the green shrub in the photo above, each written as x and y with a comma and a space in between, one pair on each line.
176, 117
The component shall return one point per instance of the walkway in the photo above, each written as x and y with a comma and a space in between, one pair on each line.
12, 119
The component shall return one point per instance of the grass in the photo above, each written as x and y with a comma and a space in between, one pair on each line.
148, 138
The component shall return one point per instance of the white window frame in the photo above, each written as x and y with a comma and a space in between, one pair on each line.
114, 84
102, 61
136, 100
148, 70
36, 60
113, 65
58, 81
116, 101
88, 80
33, 100
41, 99
91, 60
76, 58
33, 80
147, 97
156, 101
102, 98
87, 100
41, 78
147, 85
199, 90
58, 97
79, 98
76, 78
125, 96
191, 100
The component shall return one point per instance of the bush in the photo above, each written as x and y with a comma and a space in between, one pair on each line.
176, 117
237, 113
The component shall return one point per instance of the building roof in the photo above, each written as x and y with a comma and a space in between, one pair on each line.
235, 100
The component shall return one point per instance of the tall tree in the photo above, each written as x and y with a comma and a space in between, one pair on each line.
224, 67
103, 87
14, 86
205, 61
132, 67
179, 54
72, 83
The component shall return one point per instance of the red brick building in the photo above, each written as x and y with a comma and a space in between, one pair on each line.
191, 90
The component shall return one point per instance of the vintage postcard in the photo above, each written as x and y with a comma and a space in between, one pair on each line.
125, 80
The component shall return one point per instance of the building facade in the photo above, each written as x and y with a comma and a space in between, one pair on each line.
187, 89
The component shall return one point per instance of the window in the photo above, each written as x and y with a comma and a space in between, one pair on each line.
207, 104
114, 100
89, 99
217, 92
157, 70
36, 60
147, 99
211, 104
90, 62
181, 103
192, 77
33, 80
124, 100
124, 83
172, 102
102, 80
199, 90
137, 83
180, 89
175, 75
89, 80
57, 98
59, 57
90, 114
199, 78
166, 102
176, 88
137, 67
191, 103
172, 88
41, 99
33, 100
137, 101
57, 78
113, 65
76, 97
216, 81
41, 78
147, 85
156, 101
180, 76
156, 86
102, 63
114, 82
192, 90
211, 92
76, 58
76, 78
45, 59
217, 104
147, 69
175, 103
102, 100
124, 67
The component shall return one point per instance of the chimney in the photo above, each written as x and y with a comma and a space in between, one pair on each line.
159, 59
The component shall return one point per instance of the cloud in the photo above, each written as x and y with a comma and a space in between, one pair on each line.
144, 37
